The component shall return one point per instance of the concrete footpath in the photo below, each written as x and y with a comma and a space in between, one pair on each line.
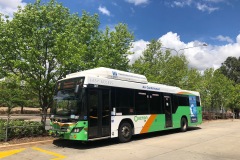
213, 140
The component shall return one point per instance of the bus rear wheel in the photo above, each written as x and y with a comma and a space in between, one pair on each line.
124, 132
184, 124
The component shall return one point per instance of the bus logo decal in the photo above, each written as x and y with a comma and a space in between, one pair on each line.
114, 73
139, 118
151, 88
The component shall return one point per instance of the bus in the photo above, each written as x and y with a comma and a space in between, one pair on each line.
103, 103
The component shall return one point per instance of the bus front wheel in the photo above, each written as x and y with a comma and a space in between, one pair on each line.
124, 132
184, 124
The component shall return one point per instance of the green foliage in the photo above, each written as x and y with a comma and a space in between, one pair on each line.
14, 92
161, 67
2, 130
231, 68
216, 90
20, 129
234, 99
193, 80
44, 42
113, 48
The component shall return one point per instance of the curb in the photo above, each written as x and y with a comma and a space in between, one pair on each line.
22, 144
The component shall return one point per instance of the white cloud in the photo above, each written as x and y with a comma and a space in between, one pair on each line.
215, 1
182, 3
114, 3
104, 10
132, 10
172, 40
198, 56
204, 7
138, 47
8, 7
138, 2
224, 39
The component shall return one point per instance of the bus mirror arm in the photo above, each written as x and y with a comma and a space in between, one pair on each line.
113, 113
76, 89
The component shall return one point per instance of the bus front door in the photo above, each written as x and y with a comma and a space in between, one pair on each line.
99, 113
168, 111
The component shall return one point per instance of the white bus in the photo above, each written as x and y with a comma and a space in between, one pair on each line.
107, 103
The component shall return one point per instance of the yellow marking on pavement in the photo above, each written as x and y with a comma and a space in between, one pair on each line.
10, 152
59, 156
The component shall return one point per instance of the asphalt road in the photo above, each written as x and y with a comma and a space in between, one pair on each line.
214, 140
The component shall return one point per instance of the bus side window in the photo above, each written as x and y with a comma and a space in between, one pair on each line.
124, 101
174, 103
183, 100
155, 102
198, 101
141, 102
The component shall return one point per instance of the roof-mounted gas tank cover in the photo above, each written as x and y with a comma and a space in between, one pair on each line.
111, 73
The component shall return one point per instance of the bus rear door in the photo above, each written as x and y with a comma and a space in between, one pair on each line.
167, 110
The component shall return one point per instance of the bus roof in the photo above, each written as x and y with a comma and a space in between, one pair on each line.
132, 80
110, 73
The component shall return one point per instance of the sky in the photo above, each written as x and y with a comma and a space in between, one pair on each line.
182, 25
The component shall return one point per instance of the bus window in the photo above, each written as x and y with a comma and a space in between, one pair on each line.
183, 100
198, 101
124, 101
141, 102
174, 103
155, 102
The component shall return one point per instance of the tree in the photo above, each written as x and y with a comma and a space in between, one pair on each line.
216, 90
161, 67
231, 68
113, 48
12, 93
44, 42
176, 71
234, 100
192, 81
1, 35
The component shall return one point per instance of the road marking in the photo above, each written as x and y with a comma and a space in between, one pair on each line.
10, 152
59, 156
21, 144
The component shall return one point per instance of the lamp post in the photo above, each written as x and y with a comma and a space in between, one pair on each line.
177, 51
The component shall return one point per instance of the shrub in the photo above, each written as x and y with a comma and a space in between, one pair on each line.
21, 128
2, 130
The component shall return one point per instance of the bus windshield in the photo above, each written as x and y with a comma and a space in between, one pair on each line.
69, 101
65, 103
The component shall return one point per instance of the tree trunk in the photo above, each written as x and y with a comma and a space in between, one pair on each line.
22, 109
44, 106
45, 103
44, 115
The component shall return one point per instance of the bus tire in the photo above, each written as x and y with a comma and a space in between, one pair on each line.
125, 132
183, 124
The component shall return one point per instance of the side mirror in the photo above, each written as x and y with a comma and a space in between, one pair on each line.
76, 89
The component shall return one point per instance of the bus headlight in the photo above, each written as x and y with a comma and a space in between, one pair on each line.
77, 130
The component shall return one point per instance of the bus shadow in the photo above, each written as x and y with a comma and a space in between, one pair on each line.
108, 142
162, 133
84, 145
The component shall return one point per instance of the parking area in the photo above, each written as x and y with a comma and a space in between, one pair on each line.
212, 140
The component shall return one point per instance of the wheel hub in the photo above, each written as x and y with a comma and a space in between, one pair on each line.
125, 131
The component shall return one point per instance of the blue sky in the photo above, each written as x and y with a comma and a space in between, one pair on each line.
177, 24
212, 21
